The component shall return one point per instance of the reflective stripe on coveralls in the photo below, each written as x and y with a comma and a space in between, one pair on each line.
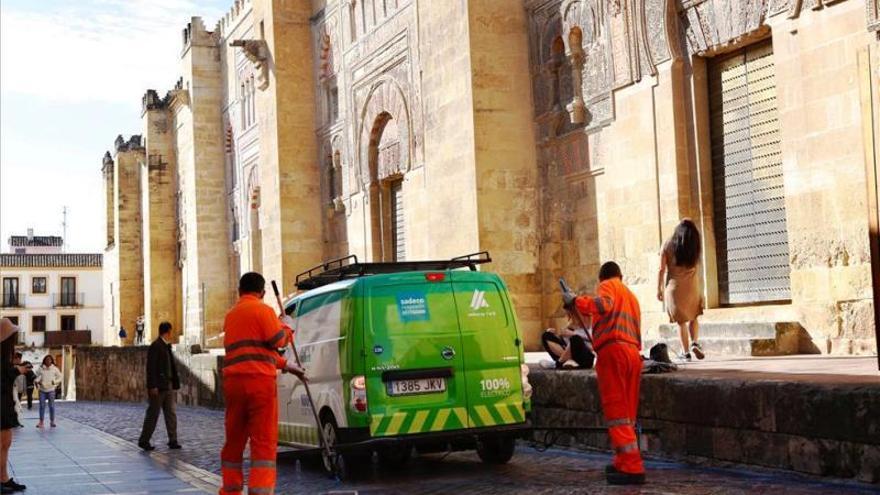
253, 332
615, 312
617, 340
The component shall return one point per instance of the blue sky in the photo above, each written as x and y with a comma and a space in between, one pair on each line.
72, 74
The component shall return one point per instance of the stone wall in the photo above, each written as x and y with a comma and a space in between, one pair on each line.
118, 374
821, 427
556, 134
624, 148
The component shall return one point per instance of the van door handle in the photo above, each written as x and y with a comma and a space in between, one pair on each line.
517, 342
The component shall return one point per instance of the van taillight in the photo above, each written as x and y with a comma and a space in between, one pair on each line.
435, 277
358, 402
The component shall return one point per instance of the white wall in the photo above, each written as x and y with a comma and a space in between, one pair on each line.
89, 316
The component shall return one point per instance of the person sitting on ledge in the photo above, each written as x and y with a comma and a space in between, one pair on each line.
569, 347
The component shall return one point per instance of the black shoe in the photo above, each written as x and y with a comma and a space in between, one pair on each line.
11, 486
146, 446
174, 445
619, 478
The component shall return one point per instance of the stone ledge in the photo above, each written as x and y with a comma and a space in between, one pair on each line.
826, 427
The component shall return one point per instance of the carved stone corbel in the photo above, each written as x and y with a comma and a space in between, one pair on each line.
257, 51
577, 110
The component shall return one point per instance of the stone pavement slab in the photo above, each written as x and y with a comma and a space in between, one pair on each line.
76, 459
555, 471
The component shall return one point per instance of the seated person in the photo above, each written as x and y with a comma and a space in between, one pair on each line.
569, 347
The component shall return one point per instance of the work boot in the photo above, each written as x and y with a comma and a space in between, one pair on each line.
697, 350
11, 486
146, 446
174, 445
620, 478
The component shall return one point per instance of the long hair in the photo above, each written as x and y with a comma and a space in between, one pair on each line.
686, 245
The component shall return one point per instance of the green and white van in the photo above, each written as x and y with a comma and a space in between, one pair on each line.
402, 355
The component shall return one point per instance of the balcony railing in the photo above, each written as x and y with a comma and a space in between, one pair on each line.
68, 299
68, 337
11, 300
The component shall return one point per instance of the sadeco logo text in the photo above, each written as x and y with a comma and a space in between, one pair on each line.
479, 303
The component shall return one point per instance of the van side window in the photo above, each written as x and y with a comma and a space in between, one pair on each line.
319, 317
290, 310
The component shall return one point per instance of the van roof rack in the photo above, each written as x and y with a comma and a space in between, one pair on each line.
349, 267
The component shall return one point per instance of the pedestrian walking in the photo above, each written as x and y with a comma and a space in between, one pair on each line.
252, 333
8, 417
139, 331
678, 285
48, 379
162, 385
617, 340
30, 376
122, 335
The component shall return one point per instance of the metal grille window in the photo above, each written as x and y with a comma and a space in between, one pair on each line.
750, 226
398, 235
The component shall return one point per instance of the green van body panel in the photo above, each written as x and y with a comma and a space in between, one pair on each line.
462, 327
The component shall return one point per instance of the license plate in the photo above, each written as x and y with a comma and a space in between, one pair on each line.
420, 386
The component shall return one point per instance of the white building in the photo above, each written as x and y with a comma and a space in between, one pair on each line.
55, 298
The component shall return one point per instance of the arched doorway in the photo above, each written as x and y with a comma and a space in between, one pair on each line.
388, 228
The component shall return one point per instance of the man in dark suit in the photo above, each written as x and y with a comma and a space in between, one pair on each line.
162, 382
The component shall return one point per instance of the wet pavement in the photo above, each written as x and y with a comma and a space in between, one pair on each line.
555, 471
75, 459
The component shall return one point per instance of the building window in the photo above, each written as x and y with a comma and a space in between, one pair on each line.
38, 324
68, 291
38, 285
243, 110
10, 294
398, 232
749, 211
68, 322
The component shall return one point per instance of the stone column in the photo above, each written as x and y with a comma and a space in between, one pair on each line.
127, 207
290, 209
159, 185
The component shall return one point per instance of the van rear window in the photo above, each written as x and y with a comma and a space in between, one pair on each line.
412, 308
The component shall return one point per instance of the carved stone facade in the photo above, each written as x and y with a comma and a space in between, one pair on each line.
626, 152
556, 134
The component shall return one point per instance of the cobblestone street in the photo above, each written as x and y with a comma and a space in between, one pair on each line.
554, 471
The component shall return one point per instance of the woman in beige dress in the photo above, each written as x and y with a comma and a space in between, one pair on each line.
678, 285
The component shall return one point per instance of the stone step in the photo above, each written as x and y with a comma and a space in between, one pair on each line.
726, 330
744, 338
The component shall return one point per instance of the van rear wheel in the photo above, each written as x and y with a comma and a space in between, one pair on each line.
495, 449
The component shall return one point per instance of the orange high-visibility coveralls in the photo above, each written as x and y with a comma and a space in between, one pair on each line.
253, 332
617, 340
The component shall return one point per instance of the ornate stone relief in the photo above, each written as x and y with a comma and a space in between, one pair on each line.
257, 51
709, 25
611, 44
873, 7
386, 102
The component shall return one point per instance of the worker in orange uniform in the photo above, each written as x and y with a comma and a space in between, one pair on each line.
253, 333
617, 340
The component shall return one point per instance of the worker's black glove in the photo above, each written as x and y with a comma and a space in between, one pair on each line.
568, 298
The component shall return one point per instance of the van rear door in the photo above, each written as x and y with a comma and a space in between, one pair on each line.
414, 367
492, 350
